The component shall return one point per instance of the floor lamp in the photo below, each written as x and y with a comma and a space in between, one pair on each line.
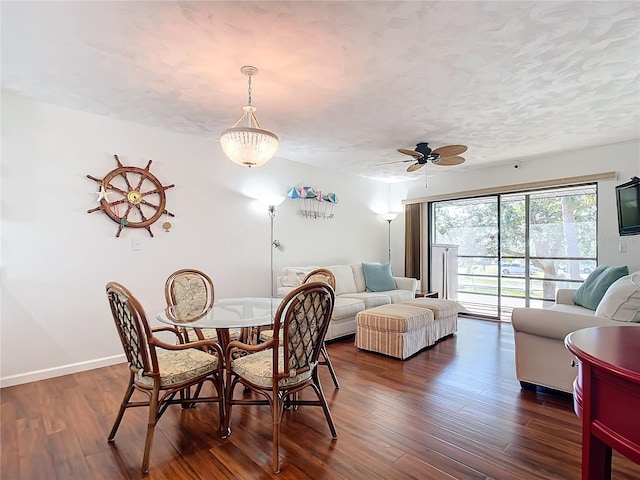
389, 217
273, 203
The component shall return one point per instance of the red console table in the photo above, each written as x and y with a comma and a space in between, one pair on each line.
606, 395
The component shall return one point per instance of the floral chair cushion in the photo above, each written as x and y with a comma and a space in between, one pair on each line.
258, 369
178, 366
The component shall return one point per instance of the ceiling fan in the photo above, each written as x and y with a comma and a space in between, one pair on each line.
445, 156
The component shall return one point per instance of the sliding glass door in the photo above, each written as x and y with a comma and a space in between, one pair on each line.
516, 249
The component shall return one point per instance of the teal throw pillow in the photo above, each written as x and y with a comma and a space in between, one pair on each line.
378, 277
596, 284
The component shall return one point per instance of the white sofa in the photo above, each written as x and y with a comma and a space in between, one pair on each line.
540, 354
351, 294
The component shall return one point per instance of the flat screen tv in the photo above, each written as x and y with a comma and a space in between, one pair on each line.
628, 203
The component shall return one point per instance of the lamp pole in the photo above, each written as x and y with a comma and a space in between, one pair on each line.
389, 221
389, 217
272, 214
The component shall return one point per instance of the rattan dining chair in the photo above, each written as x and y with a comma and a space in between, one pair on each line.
194, 289
318, 275
279, 369
161, 370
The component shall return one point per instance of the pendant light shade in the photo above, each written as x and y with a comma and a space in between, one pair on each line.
249, 145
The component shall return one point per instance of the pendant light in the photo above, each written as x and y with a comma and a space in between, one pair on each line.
250, 145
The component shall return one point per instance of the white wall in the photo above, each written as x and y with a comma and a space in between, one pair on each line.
622, 158
56, 258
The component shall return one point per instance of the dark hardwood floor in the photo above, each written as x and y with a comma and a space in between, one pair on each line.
454, 411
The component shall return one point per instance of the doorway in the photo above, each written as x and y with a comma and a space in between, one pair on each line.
516, 249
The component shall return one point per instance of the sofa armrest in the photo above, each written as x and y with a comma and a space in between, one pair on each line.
564, 296
406, 283
553, 324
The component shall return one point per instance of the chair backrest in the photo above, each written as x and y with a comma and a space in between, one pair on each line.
321, 275
133, 328
303, 316
191, 289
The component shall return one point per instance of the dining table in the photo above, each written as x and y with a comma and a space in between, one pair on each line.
224, 314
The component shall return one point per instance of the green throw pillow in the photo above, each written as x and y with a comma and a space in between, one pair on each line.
596, 284
378, 277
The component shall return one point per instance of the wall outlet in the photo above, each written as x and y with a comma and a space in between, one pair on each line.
622, 247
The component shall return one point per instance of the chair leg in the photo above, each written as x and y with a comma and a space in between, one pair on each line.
123, 407
327, 361
153, 418
228, 396
219, 384
323, 402
277, 408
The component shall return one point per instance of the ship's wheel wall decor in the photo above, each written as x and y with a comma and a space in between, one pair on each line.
132, 197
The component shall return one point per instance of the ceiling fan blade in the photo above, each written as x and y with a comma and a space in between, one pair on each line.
450, 150
415, 166
396, 161
413, 153
449, 161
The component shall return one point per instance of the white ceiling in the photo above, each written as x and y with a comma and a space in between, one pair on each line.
343, 84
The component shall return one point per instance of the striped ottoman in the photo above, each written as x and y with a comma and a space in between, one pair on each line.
445, 316
402, 329
395, 329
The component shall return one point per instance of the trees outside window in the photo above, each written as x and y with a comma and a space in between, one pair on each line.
550, 235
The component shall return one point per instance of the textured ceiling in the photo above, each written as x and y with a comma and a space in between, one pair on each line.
343, 84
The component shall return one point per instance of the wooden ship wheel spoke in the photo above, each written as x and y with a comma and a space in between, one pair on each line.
136, 207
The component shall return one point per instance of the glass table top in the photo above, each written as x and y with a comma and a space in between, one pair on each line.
226, 313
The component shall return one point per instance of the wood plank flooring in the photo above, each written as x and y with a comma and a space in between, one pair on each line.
454, 411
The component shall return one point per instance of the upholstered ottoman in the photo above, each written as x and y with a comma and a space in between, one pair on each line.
396, 329
445, 316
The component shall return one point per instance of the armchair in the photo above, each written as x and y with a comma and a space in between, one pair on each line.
283, 366
160, 370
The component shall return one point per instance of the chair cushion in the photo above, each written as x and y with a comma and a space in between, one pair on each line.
378, 278
179, 366
596, 284
258, 369
212, 334
621, 302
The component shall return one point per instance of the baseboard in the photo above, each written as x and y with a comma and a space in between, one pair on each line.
59, 371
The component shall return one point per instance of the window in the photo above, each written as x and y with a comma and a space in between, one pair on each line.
517, 249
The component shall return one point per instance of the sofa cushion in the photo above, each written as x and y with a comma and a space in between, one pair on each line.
621, 302
346, 307
398, 296
370, 299
577, 309
344, 279
378, 277
293, 276
596, 284
358, 276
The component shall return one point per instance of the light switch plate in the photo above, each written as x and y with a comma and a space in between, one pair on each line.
136, 244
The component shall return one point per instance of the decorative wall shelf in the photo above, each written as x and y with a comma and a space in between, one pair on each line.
312, 203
